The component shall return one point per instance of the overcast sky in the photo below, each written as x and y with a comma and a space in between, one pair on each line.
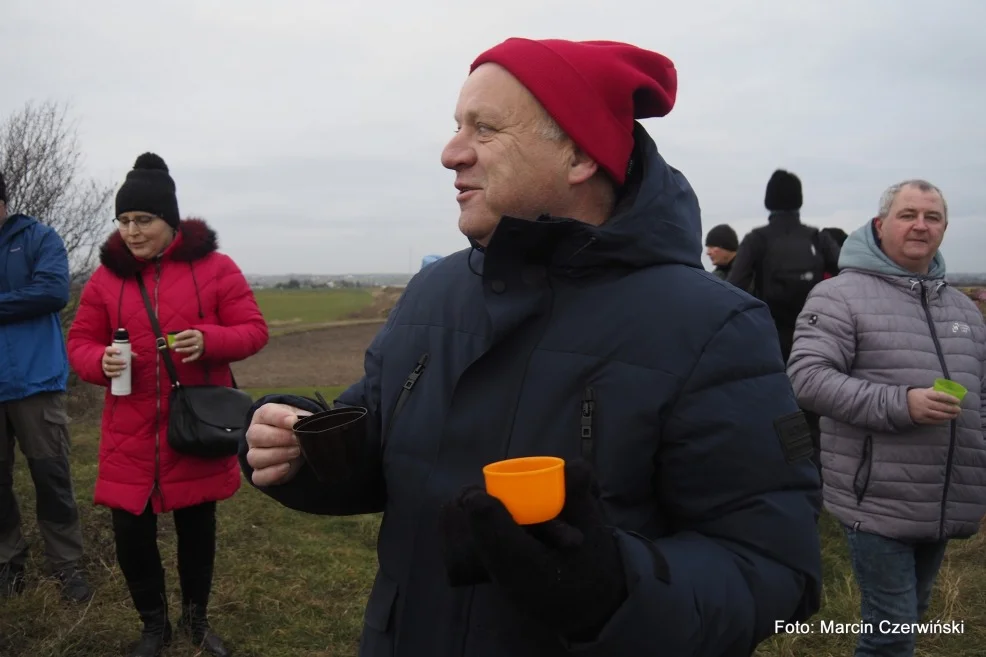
309, 133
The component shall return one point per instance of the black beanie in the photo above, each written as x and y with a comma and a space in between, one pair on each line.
783, 192
3, 189
722, 236
149, 188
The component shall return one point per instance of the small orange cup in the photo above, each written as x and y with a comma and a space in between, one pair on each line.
532, 487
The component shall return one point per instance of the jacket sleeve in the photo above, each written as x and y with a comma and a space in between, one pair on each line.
744, 264
89, 335
48, 291
364, 491
982, 399
242, 329
821, 361
745, 551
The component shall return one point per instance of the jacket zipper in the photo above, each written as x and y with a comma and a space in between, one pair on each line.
409, 384
952, 423
157, 395
867, 462
588, 409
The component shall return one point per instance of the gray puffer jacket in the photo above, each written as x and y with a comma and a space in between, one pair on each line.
862, 341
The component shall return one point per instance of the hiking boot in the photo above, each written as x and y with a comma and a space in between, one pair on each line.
151, 603
156, 635
74, 586
194, 622
11, 580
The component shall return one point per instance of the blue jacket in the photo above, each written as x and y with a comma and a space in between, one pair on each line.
34, 287
687, 381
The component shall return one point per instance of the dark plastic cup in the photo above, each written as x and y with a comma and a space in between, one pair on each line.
331, 441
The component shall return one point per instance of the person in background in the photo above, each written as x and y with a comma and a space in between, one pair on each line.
839, 237
579, 323
904, 464
782, 261
203, 297
721, 243
34, 288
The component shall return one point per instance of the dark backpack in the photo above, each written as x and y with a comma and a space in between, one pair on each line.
792, 265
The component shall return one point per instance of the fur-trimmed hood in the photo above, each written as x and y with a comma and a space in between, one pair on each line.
195, 240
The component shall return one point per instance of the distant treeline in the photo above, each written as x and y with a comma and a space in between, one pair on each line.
966, 280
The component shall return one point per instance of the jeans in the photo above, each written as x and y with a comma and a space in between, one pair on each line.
895, 579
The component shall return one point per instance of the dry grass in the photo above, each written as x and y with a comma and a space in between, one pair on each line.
288, 584
959, 595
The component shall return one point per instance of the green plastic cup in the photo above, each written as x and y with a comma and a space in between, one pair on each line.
950, 387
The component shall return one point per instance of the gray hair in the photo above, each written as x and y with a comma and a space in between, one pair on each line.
888, 196
548, 128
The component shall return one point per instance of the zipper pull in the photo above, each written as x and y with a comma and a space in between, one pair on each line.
416, 372
588, 408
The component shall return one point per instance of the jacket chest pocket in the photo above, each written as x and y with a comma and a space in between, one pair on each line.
407, 388
617, 429
15, 266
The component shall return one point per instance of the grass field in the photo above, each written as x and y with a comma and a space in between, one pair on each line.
289, 584
292, 310
311, 306
286, 584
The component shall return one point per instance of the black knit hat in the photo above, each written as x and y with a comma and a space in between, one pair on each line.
722, 236
3, 189
783, 192
149, 188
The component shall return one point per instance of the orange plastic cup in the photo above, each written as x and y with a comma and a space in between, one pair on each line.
532, 487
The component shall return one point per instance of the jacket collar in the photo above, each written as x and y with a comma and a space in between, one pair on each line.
195, 240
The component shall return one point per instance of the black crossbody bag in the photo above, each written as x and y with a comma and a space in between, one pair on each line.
206, 420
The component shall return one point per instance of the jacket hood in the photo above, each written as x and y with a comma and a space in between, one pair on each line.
656, 221
14, 224
195, 240
861, 251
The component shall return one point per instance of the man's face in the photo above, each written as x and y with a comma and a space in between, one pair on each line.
914, 228
503, 165
719, 256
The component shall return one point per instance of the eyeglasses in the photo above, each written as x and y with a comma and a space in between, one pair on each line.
141, 222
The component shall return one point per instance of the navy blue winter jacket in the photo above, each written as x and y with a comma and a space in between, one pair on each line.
34, 287
687, 381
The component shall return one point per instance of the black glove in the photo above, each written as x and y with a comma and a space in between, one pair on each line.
567, 573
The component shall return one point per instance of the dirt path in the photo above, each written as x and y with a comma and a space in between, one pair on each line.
322, 357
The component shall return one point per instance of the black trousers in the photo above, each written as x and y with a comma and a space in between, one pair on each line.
140, 560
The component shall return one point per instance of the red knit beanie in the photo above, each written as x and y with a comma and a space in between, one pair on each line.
593, 89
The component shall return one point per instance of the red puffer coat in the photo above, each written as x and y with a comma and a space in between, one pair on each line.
195, 287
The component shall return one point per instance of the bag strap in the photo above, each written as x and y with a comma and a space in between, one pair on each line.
161, 342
